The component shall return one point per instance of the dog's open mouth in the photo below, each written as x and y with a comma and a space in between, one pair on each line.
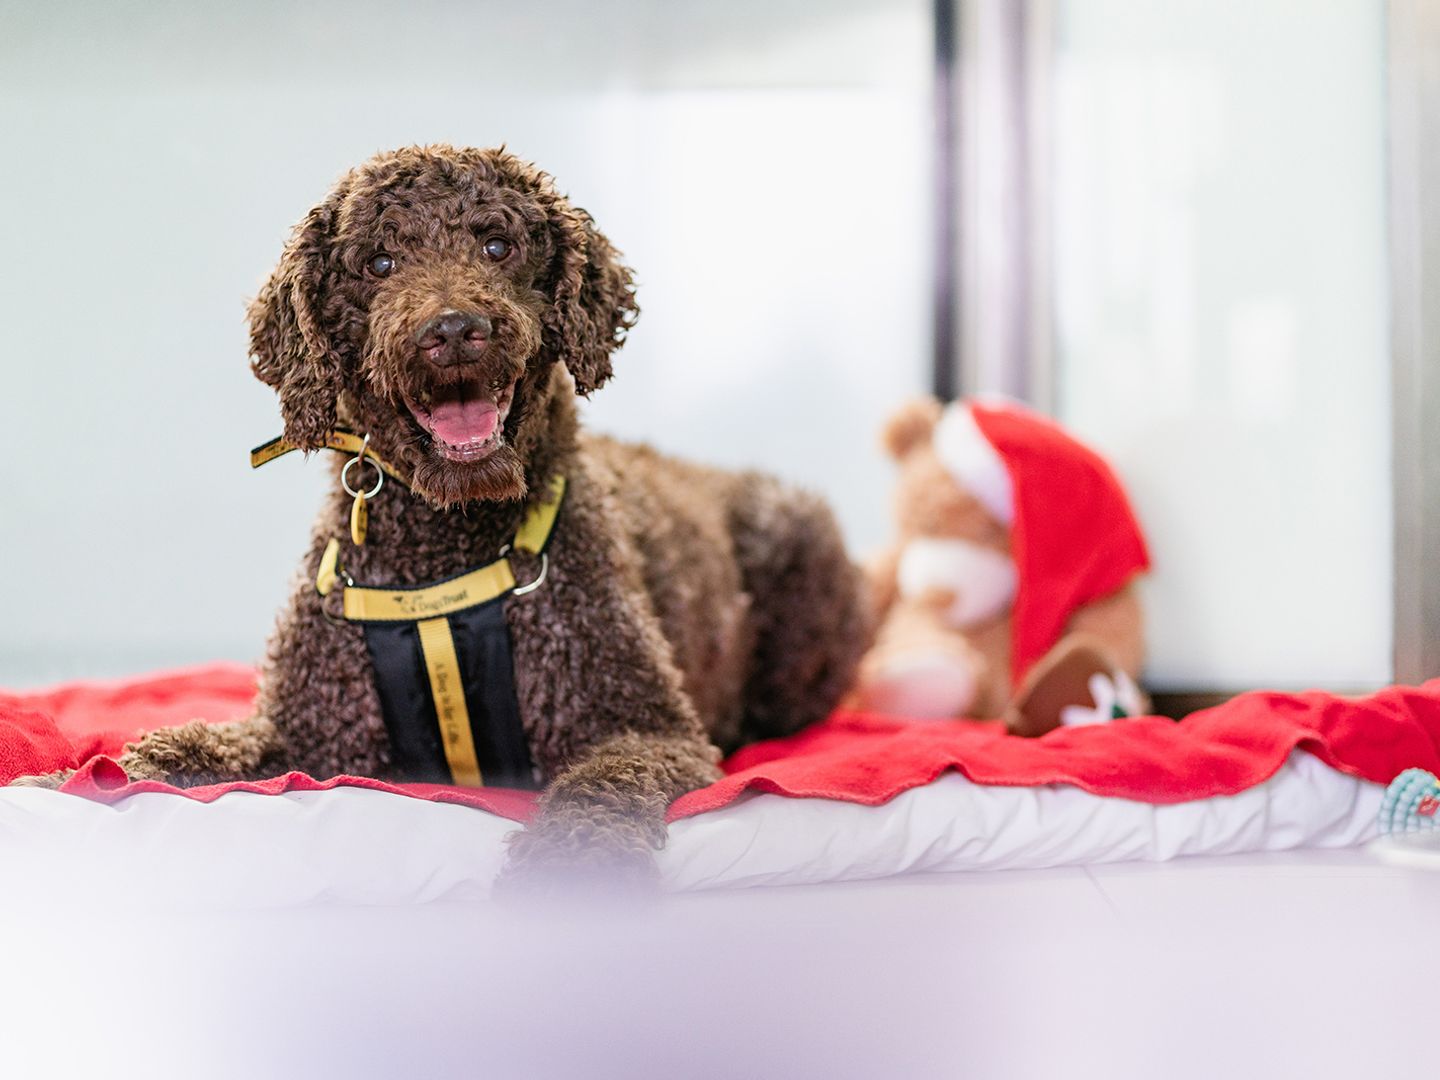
465, 420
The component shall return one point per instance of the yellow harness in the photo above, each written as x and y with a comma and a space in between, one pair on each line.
450, 708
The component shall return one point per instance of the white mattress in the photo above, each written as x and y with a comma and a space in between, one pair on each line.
353, 846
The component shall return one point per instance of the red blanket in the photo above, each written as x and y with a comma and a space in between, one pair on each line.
851, 757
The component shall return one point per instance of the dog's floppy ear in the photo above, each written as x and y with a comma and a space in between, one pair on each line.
289, 347
592, 297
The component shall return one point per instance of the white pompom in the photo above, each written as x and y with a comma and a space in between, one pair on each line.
982, 579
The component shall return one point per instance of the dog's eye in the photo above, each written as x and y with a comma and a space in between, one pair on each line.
497, 247
381, 265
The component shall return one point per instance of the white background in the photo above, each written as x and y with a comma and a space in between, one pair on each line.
1219, 283
762, 166
1222, 321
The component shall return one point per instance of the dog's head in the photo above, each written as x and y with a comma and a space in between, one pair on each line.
425, 303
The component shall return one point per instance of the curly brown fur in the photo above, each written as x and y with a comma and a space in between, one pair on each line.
338, 341
606, 813
198, 753
50, 780
683, 605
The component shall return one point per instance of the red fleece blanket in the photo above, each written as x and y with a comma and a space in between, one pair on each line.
851, 757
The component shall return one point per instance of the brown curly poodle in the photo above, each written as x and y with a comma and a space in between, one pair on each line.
450, 303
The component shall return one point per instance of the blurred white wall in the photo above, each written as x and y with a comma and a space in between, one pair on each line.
1221, 303
1219, 282
762, 165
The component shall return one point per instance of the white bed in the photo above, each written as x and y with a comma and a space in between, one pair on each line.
355, 846
349, 933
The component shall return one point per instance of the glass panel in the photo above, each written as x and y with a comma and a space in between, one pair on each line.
1220, 293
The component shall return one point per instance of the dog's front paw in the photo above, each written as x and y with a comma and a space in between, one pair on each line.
47, 780
198, 753
171, 755
555, 860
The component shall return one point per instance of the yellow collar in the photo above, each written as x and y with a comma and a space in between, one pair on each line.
339, 439
453, 594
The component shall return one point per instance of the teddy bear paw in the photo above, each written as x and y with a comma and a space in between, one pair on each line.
1113, 696
927, 686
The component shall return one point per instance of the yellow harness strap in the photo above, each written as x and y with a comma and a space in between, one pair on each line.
428, 606
534, 531
447, 690
339, 439
367, 604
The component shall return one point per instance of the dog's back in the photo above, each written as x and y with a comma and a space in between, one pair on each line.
742, 571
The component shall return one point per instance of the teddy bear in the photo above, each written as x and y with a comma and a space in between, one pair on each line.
1009, 591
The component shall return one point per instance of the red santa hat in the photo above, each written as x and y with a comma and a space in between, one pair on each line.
1073, 534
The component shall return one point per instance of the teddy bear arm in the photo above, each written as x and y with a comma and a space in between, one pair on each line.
882, 576
921, 667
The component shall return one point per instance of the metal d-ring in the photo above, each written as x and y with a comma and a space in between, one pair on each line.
349, 584
529, 587
357, 459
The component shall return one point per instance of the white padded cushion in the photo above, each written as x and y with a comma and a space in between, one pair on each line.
353, 846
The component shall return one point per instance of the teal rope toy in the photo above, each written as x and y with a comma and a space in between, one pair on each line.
1411, 803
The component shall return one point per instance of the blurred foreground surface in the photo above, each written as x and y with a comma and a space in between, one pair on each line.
1307, 963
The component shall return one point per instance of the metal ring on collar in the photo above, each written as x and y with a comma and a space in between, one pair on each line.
531, 586
349, 584
345, 474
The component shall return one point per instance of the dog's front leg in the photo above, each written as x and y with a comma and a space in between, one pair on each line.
602, 819
608, 716
194, 754
199, 753
605, 707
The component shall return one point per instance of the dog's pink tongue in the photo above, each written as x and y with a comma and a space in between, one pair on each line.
463, 421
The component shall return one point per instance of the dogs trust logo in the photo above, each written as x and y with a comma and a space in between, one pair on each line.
417, 606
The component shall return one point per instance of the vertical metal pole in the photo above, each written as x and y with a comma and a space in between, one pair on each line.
1038, 49
945, 374
999, 158
1414, 164
1012, 20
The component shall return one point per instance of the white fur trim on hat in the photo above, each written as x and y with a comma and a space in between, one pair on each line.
974, 462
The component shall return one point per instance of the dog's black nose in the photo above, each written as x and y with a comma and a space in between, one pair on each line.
453, 337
